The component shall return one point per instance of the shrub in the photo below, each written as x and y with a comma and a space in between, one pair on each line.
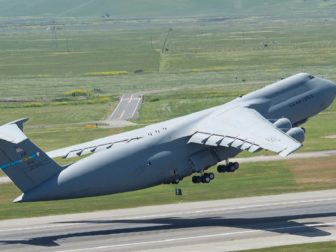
77, 93
110, 73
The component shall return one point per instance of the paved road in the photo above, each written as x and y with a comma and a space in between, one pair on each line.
127, 108
4, 180
303, 155
224, 225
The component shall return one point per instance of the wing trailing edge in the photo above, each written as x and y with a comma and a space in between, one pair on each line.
245, 129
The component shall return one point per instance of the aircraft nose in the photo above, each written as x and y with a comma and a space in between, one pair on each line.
333, 88
330, 86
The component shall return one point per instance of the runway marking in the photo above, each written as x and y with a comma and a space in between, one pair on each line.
116, 109
130, 99
135, 109
197, 237
122, 114
40, 227
188, 213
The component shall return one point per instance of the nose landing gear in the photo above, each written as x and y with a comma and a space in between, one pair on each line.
178, 192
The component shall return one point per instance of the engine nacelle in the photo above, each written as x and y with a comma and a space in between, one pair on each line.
283, 124
297, 133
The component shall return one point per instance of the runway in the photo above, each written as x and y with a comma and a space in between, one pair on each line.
127, 108
224, 225
295, 156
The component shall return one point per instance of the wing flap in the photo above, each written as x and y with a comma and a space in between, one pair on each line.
214, 140
244, 129
199, 138
226, 142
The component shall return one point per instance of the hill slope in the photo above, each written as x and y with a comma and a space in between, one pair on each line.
153, 8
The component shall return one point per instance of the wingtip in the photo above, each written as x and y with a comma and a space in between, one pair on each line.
288, 151
19, 122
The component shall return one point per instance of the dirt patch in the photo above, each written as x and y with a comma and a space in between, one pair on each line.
114, 124
330, 137
321, 171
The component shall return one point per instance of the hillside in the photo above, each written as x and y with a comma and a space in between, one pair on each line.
156, 8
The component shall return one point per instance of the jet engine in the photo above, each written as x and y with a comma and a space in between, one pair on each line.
283, 124
297, 133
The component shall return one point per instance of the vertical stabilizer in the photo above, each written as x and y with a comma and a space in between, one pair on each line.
22, 161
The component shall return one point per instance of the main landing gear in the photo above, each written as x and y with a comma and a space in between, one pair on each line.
205, 178
230, 167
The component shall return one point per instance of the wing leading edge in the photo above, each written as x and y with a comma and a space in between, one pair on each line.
92, 146
243, 128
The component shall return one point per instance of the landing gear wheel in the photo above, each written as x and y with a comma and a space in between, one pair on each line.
196, 179
230, 167
221, 168
236, 165
176, 182
206, 179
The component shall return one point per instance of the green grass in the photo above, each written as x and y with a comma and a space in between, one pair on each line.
168, 105
251, 180
311, 247
34, 64
36, 54
53, 126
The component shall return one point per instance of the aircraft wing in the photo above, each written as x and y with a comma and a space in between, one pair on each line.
92, 146
245, 129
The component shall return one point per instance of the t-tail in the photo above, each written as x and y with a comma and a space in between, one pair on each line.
22, 161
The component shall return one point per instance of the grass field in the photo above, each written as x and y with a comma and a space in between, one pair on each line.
35, 63
311, 247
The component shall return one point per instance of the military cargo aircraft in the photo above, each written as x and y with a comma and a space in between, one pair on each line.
269, 119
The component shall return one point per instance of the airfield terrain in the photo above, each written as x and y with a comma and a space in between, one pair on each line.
221, 225
66, 74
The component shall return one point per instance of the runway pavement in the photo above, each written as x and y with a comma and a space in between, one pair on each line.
127, 108
295, 156
224, 225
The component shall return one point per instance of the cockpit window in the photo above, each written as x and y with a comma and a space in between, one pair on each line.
311, 77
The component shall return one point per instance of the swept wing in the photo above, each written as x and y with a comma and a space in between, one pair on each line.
245, 129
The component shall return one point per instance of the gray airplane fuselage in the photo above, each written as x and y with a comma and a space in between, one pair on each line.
160, 154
